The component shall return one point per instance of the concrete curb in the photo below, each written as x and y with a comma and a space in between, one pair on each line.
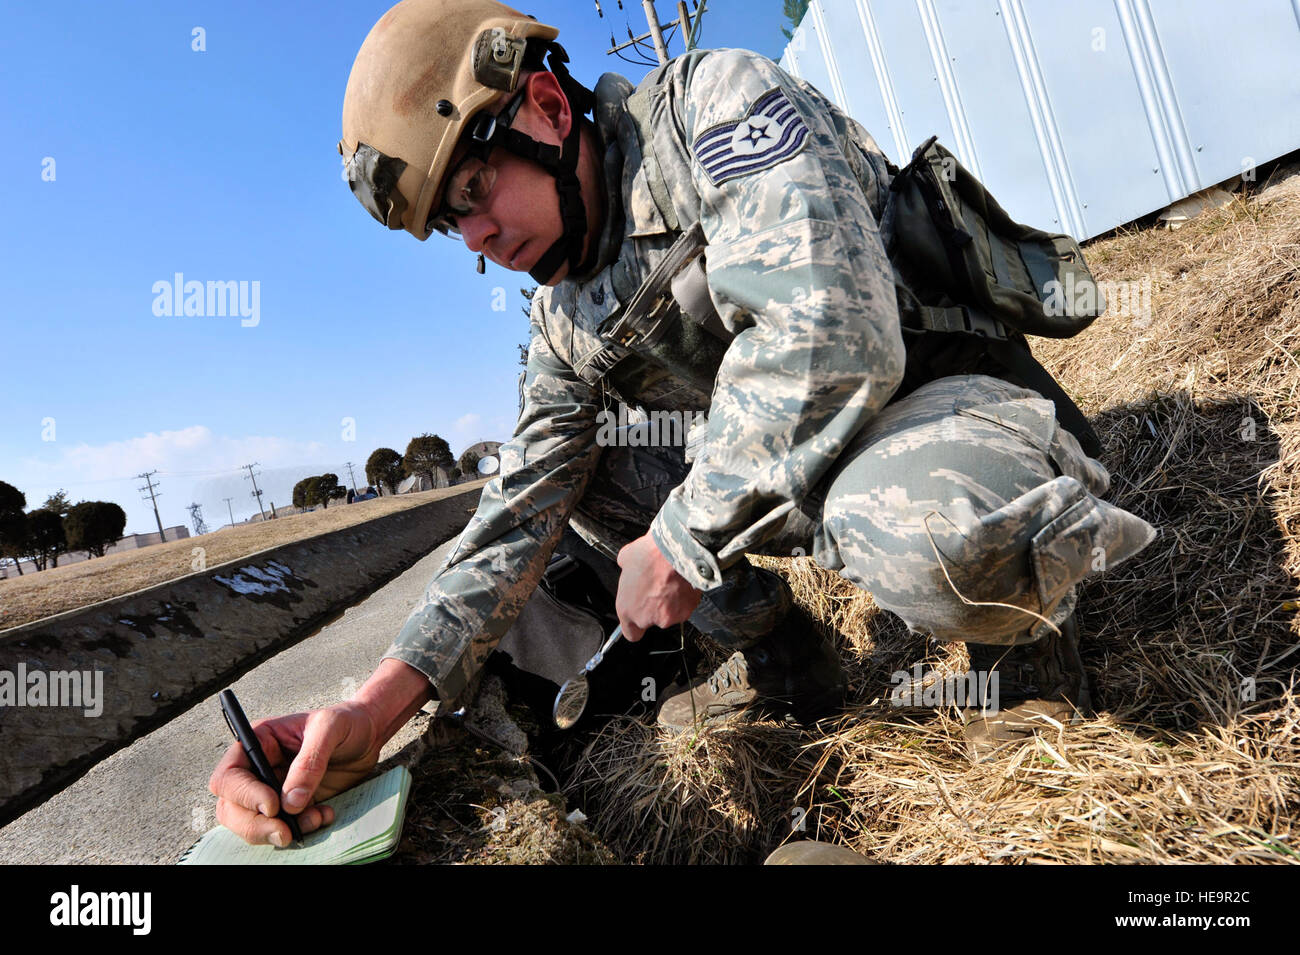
158, 652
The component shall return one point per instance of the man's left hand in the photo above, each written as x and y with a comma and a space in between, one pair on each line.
650, 592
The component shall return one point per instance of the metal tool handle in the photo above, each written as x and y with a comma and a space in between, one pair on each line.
600, 654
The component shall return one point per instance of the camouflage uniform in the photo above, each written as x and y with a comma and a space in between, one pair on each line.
802, 447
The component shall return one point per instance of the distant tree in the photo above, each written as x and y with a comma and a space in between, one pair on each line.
794, 11
13, 524
311, 492
425, 454
468, 463
528, 294
16, 542
384, 466
330, 488
58, 503
94, 525
300, 493
11, 499
47, 538
321, 490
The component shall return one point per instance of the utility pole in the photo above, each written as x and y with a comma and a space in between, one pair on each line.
228, 509
148, 475
684, 21
352, 478
256, 493
196, 518
656, 32
694, 36
689, 31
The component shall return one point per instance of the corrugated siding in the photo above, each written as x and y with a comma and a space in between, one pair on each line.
1079, 116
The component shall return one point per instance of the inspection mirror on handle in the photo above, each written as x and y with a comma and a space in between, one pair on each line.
572, 698
571, 701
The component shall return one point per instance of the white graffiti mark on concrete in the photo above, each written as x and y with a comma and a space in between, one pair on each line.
256, 581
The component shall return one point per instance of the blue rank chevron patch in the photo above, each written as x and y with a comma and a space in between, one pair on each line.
770, 133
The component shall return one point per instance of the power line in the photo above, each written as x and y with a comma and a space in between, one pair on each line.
633, 45
652, 20
659, 34
61, 482
639, 62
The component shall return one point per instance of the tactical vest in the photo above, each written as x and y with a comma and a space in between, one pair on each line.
970, 281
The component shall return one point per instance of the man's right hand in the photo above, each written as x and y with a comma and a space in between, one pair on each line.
315, 755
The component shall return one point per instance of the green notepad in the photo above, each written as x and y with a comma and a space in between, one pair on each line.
367, 826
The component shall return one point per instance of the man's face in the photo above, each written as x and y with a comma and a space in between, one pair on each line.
520, 217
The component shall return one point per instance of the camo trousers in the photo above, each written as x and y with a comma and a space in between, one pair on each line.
966, 488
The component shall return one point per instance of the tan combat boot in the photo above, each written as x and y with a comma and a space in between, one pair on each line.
793, 668
811, 852
1037, 682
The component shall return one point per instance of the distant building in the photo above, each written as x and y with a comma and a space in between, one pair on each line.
1079, 116
129, 542
416, 482
484, 449
420, 482
136, 541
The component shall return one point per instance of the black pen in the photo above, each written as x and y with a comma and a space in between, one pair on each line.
243, 730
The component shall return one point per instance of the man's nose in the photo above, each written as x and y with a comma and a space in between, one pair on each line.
476, 230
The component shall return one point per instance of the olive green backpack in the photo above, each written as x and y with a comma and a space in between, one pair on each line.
959, 253
962, 265
971, 282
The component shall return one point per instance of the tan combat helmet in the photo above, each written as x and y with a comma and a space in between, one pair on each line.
422, 80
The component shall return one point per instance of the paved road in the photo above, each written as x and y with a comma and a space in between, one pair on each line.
149, 802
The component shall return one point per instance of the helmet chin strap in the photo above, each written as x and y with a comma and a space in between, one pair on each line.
562, 163
573, 213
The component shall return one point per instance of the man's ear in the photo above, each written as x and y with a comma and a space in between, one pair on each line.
545, 100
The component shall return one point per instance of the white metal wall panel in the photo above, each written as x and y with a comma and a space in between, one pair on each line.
857, 54
999, 144
1235, 69
1079, 116
903, 38
806, 50
1110, 169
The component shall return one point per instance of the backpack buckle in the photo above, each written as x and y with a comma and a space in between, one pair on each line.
977, 323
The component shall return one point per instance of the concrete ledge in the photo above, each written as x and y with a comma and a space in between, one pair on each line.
158, 652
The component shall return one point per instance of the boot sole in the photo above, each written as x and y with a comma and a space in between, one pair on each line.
806, 714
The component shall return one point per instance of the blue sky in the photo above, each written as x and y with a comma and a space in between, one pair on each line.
134, 157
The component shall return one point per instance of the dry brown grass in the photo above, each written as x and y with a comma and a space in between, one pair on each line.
1197, 409
59, 589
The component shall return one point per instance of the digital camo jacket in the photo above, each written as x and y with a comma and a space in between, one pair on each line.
797, 272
